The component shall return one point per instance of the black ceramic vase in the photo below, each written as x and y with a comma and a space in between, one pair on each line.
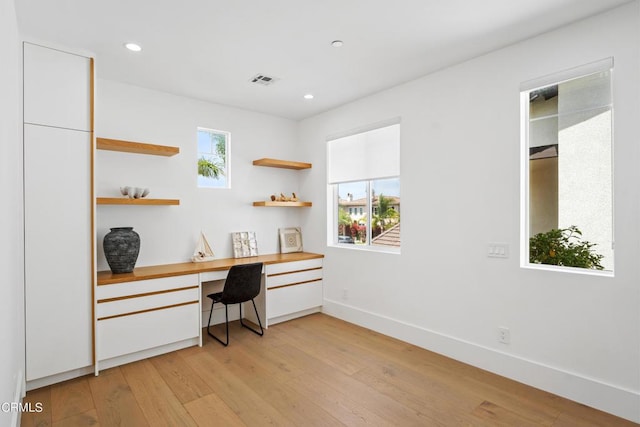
121, 247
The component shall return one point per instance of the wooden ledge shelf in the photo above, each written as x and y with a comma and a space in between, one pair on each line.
136, 147
285, 164
128, 201
283, 204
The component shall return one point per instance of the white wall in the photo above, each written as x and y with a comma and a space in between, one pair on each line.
11, 243
574, 335
169, 234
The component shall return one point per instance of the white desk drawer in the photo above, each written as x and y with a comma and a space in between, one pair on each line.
284, 267
147, 302
292, 278
117, 290
127, 334
291, 299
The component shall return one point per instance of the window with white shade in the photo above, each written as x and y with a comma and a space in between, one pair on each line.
364, 186
568, 170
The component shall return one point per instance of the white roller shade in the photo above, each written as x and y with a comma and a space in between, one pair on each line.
364, 156
572, 73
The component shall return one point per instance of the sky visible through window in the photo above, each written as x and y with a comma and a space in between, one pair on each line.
386, 187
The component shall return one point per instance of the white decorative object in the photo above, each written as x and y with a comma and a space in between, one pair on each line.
134, 192
290, 239
244, 244
203, 251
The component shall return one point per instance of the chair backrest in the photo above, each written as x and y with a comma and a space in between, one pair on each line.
242, 284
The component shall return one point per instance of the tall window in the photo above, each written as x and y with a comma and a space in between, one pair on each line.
364, 184
213, 158
568, 193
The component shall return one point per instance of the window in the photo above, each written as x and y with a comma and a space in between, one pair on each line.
213, 158
364, 186
568, 179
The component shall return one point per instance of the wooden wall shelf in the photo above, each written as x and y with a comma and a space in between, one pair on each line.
283, 204
128, 201
285, 164
136, 147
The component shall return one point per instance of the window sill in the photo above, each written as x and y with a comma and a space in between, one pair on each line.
573, 270
365, 248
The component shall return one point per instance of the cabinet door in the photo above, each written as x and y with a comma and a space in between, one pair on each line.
56, 88
57, 212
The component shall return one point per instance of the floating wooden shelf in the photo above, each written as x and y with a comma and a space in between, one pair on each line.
285, 164
136, 147
283, 204
128, 201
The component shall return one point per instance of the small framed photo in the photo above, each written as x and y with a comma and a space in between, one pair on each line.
290, 240
245, 244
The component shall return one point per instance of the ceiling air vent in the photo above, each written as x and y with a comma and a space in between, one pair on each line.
264, 80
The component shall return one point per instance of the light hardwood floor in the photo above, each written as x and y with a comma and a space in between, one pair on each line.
315, 370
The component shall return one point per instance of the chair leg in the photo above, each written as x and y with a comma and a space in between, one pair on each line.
261, 332
226, 314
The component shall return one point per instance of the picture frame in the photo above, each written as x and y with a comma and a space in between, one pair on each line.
290, 239
245, 244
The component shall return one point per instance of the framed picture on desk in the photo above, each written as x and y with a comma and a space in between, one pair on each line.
245, 244
290, 240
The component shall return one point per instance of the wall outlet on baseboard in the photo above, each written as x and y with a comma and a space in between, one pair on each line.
345, 293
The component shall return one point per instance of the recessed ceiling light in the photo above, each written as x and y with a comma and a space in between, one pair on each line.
308, 96
133, 47
337, 43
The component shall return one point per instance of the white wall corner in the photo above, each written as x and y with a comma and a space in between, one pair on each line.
605, 397
20, 393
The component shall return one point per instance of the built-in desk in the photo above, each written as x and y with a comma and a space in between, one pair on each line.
157, 309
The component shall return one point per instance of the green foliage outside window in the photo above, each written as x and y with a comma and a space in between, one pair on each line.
564, 247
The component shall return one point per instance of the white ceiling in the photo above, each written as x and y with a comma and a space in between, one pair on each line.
210, 49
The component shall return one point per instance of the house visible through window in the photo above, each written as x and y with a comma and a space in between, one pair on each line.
569, 181
213, 158
364, 183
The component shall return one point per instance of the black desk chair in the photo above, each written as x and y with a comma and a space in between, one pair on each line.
242, 285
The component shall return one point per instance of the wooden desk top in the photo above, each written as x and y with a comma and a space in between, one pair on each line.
168, 270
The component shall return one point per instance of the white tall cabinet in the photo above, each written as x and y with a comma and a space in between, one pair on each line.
59, 205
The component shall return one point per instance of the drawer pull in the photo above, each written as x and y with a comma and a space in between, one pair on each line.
294, 284
146, 294
148, 310
294, 271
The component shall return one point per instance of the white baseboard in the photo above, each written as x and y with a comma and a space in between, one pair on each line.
605, 397
58, 378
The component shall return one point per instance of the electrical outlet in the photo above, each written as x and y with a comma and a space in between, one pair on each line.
345, 293
504, 335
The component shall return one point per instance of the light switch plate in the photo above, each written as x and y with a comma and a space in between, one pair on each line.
498, 250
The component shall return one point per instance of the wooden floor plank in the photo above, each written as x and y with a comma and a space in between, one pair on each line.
41, 396
501, 417
247, 404
210, 410
115, 403
70, 398
183, 381
269, 381
335, 401
324, 370
158, 403
87, 418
